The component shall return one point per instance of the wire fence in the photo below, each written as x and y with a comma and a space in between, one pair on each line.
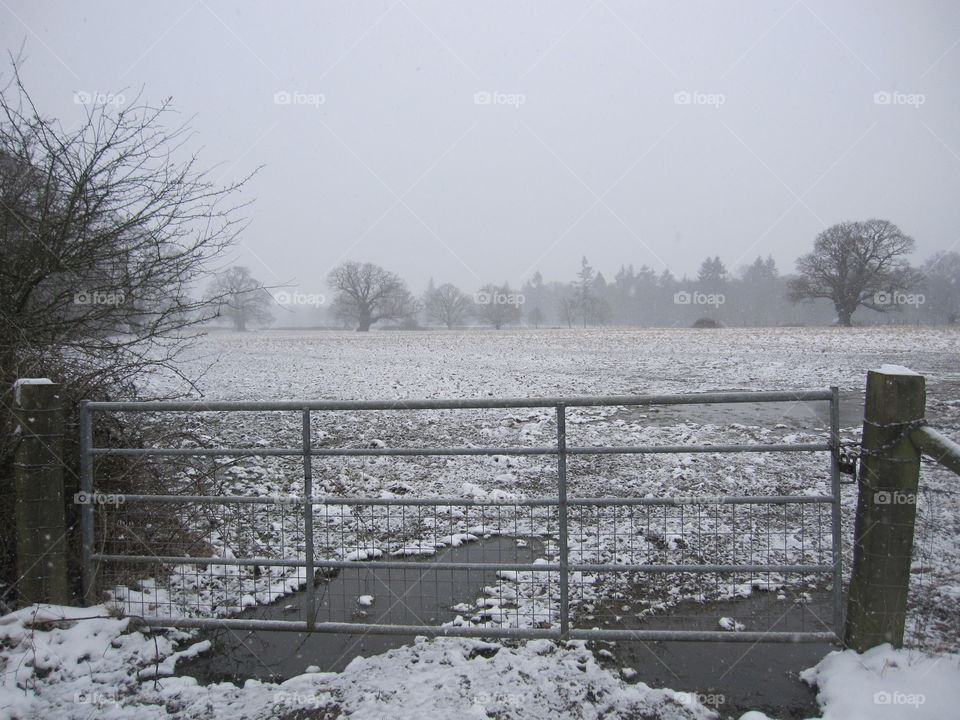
934, 597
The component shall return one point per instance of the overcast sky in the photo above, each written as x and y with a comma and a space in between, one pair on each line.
480, 141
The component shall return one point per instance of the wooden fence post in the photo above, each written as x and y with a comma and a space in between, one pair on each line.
38, 484
886, 509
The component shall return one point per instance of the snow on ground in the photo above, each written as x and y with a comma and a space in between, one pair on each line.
82, 663
885, 683
398, 366
55, 665
525, 363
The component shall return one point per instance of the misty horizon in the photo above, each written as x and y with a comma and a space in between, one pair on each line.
474, 144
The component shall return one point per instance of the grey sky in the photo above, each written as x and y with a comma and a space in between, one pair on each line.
583, 148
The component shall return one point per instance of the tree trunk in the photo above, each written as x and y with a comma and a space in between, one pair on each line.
364, 321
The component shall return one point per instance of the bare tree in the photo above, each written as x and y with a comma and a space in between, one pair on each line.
568, 310
941, 283
448, 305
595, 311
535, 317
855, 264
498, 305
584, 289
104, 235
241, 298
106, 230
366, 293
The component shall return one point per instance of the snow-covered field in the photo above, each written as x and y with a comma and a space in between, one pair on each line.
401, 366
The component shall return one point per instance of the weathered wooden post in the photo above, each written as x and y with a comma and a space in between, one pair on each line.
38, 484
886, 509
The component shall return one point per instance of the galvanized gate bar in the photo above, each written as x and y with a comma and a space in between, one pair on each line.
469, 502
308, 521
562, 502
526, 633
836, 537
680, 568
564, 568
562, 520
320, 562
468, 404
428, 452
743, 636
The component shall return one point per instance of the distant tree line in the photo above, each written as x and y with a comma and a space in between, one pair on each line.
856, 272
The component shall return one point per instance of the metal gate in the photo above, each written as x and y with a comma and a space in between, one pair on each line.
172, 557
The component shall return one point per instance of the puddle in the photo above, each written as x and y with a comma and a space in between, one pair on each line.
760, 676
795, 415
399, 597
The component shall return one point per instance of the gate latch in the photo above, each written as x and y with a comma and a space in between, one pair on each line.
847, 460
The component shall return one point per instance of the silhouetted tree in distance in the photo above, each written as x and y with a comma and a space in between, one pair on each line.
448, 305
241, 298
366, 294
855, 264
498, 305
